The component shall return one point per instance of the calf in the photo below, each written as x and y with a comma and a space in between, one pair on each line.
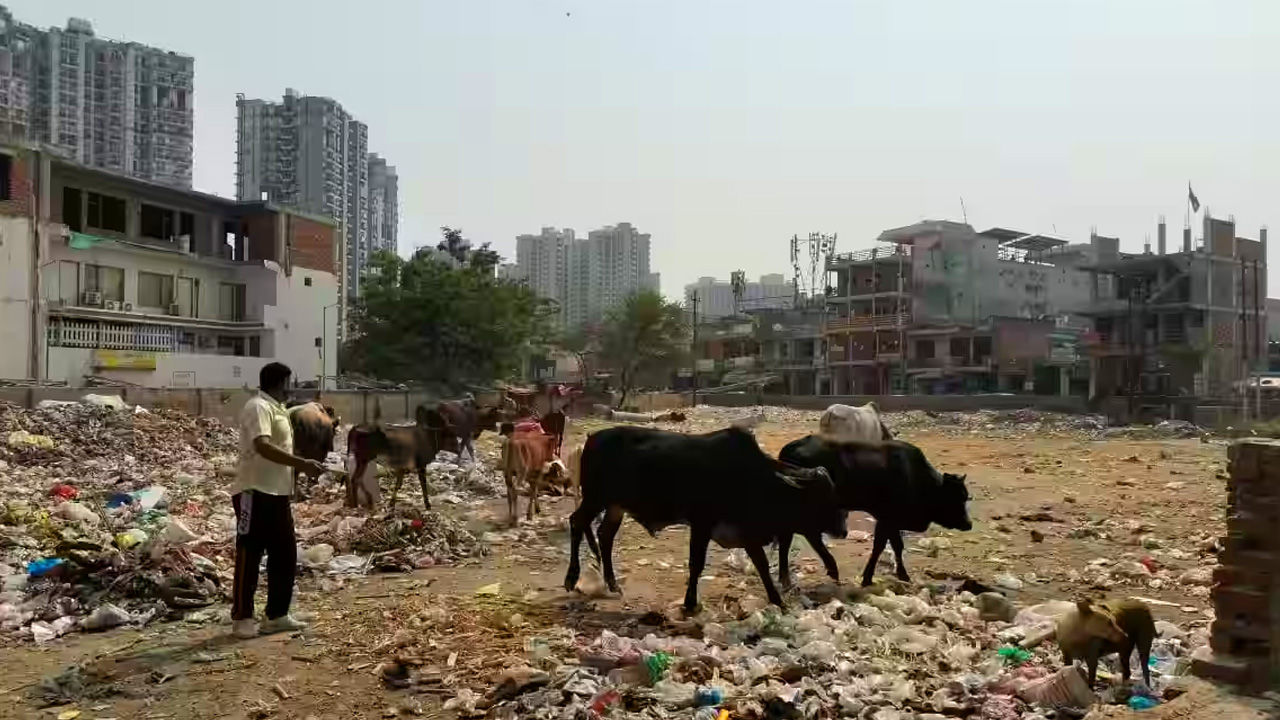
846, 422
891, 481
462, 419
530, 456
721, 484
402, 449
314, 428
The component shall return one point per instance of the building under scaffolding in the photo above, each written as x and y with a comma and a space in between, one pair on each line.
1188, 324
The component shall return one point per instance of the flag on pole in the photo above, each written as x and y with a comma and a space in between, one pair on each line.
1192, 199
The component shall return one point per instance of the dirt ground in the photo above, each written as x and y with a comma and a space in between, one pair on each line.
1124, 502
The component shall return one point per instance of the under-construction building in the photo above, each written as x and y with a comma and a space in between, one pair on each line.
939, 301
309, 153
108, 104
1190, 323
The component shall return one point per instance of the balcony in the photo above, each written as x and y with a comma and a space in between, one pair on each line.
894, 253
868, 322
139, 337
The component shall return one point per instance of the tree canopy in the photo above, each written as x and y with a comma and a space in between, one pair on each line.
644, 338
425, 320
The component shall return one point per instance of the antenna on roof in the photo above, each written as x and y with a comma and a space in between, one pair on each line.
964, 212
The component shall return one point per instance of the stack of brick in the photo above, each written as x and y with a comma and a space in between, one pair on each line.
1245, 636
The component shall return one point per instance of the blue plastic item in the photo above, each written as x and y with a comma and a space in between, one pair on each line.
708, 696
36, 568
119, 500
1142, 702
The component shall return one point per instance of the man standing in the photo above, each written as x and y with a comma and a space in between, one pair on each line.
264, 520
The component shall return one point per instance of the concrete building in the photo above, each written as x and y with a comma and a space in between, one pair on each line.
1185, 323
309, 153
115, 105
384, 206
542, 261
609, 265
106, 275
936, 281
792, 348
588, 276
716, 300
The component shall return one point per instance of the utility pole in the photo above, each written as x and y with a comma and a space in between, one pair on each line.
693, 307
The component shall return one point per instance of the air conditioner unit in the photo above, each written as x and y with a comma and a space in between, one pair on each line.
91, 299
128, 307
112, 305
175, 309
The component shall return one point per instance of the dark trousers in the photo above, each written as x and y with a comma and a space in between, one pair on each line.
264, 523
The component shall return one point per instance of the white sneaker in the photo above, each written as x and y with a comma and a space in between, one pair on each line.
245, 629
286, 623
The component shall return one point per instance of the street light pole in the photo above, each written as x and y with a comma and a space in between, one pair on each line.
324, 344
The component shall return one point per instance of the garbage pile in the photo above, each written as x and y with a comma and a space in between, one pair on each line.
883, 656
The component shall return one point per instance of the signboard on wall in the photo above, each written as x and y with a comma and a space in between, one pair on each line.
183, 379
123, 360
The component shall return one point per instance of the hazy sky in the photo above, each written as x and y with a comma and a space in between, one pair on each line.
724, 127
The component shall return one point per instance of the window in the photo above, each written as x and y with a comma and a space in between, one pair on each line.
924, 349
155, 290
231, 302
307, 281
228, 345
106, 280
72, 208
106, 213
6, 164
157, 222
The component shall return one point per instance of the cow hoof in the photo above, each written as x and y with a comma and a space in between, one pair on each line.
690, 611
904, 577
866, 582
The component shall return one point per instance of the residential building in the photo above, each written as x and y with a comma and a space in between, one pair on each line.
936, 281
384, 206
586, 277
116, 105
542, 261
309, 153
1186, 323
792, 349
157, 286
716, 299
603, 270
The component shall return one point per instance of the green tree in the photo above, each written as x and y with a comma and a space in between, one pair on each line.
644, 337
424, 320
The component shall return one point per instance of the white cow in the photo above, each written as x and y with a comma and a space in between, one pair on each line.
846, 422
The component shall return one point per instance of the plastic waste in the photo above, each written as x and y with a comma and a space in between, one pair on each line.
1142, 702
1008, 581
910, 640
151, 498
317, 555
1013, 655
76, 512
43, 566
178, 533
708, 696
114, 402
1065, 688
347, 565
105, 617
656, 664
22, 438
64, 491
130, 538
605, 700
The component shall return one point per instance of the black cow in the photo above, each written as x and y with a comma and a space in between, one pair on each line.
892, 481
721, 484
403, 449
463, 419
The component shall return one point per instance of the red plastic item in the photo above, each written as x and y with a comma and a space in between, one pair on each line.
603, 701
64, 491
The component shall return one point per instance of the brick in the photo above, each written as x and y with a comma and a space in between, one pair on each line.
20, 200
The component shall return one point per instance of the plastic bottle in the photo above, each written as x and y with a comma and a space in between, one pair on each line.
706, 713
604, 701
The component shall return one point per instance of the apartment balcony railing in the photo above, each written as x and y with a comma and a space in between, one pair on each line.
876, 253
864, 322
63, 332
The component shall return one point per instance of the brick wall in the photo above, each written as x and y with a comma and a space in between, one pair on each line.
1245, 635
20, 199
261, 230
313, 244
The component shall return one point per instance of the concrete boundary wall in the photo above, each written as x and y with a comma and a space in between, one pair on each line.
357, 406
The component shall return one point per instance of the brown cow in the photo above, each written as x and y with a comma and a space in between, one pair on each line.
402, 449
531, 457
315, 427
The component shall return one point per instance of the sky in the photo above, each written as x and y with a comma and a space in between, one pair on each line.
724, 127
